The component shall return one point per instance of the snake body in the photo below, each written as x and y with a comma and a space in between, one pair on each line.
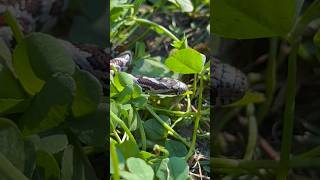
228, 84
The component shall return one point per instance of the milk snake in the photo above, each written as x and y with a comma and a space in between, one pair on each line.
228, 84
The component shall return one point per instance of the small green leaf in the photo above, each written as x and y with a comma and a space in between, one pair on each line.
123, 147
176, 148
154, 130
47, 166
138, 169
186, 61
53, 144
88, 94
252, 19
37, 58
173, 168
249, 98
12, 144
51, 106
91, 129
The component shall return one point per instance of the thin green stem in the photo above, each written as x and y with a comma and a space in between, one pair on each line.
270, 80
198, 117
166, 126
142, 133
288, 114
253, 133
123, 126
158, 28
9, 171
12, 22
115, 161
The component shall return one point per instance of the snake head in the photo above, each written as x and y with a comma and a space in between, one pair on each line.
228, 84
122, 61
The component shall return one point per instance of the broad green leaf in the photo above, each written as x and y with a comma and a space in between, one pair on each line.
22, 66
150, 66
54, 143
47, 166
154, 130
12, 144
8, 171
138, 169
50, 107
11, 106
176, 148
12, 86
74, 166
185, 61
37, 58
91, 129
173, 168
251, 18
88, 94
124, 146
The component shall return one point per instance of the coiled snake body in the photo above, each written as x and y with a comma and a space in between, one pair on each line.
228, 84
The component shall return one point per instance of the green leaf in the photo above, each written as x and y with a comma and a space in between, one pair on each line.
8, 171
54, 143
47, 166
174, 168
124, 146
12, 88
10, 106
88, 95
252, 19
138, 169
185, 61
249, 98
91, 129
150, 66
50, 107
12, 144
37, 58
176, 148
154, 130
74, 166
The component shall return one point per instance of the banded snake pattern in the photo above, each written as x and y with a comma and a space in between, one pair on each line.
228, 83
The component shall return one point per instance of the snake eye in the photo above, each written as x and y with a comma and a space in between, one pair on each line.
228, 84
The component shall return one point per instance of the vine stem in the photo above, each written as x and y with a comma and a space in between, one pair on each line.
196, 123
166, 126
288, 114
253, 133
270, 80
8, 170
115, 161
123, 126
158, 28
12, 22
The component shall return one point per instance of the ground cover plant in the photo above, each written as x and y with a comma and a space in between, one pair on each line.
277, 138
52, 114
159, 136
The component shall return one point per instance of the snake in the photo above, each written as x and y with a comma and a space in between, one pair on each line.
227, 83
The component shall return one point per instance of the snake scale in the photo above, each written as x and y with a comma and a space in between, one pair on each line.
228, 83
